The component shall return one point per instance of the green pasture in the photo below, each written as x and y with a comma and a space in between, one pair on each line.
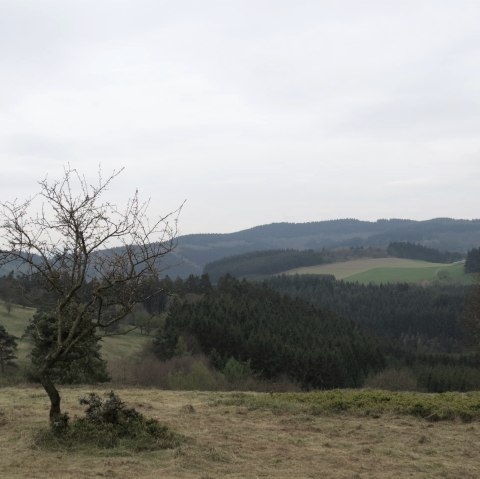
445, 273
389, 270
15, 323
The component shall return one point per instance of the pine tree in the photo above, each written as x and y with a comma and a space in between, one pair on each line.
81, 364
472, 263
8, 348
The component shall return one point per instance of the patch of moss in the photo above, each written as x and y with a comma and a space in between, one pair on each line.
433, 407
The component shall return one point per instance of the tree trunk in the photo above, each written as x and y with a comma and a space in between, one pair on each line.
54, 396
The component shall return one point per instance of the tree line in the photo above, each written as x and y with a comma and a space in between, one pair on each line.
263, 263
404, 249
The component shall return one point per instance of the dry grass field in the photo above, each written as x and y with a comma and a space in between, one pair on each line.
228, 439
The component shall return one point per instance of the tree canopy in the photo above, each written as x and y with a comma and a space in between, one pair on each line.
404, 249
277, 335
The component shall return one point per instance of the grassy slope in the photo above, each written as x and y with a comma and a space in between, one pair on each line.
386, 270
120, 347
113, 347
229, 436
15, 323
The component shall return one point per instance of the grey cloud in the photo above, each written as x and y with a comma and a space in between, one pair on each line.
278, 106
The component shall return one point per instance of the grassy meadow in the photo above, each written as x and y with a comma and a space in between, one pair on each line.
388, 270
15, 323
235, 435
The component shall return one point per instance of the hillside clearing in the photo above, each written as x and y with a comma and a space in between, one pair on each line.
235, 441
385, 270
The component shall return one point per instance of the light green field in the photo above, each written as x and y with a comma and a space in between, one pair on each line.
452, 273
388, 270
15, 324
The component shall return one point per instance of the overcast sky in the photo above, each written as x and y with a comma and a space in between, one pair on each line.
253, 111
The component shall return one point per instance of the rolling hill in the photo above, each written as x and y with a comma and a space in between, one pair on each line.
195, 251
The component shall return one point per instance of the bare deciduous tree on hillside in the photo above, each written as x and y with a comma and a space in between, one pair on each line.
67, 245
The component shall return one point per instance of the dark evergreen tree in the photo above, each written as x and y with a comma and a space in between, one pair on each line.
472, 263
8, 348
82, 363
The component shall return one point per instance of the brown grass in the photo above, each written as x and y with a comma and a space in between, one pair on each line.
228, 441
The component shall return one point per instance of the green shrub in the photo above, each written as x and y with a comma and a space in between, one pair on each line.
107, 424
191, 373
196, 377
237, 371
433, 407
392, 380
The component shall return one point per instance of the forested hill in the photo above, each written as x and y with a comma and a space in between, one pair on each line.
194, 251
272, 333
445, 234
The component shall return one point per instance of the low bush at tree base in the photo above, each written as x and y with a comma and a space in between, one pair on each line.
107, 424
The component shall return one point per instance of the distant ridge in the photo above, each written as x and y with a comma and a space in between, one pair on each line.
445, 234
194, 251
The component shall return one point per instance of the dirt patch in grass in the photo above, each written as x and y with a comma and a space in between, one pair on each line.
232, 440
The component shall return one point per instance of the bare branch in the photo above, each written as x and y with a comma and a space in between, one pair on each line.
86, 251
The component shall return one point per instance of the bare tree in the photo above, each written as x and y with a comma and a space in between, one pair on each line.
92, 257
